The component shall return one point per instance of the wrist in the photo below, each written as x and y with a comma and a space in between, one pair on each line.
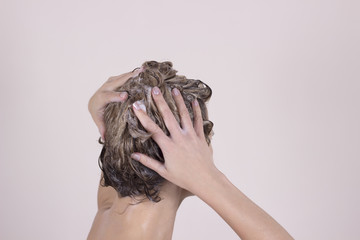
210, 183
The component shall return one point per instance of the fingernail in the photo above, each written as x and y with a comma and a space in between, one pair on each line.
135, 156
196, 103
123, 94
139, 105
176, 92
156, 90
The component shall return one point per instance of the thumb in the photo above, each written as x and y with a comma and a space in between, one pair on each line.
115, 97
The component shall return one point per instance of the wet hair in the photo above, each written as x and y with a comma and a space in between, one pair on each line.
125, 135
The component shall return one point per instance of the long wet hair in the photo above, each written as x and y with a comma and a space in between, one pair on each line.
125, 135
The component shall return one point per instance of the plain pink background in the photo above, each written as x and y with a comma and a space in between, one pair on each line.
285, 79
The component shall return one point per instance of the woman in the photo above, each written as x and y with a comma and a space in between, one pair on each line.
187, 167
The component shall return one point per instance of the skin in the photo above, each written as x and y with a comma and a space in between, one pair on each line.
189, 165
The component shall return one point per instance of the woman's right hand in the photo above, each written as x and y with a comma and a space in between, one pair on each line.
188, 157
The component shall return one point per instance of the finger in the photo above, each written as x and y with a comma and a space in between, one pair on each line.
157, 133
198, 121
183, 111
106, 97
150, 163
116, 81
115, 97
169, 119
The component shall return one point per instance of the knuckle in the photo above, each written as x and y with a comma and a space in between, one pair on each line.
146, 124
189, 134
198, 117
157, 131
160, 101
167, 113
150, 126
162, 107
184, 113
147, 161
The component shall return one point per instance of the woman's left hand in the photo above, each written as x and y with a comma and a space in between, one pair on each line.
106, 94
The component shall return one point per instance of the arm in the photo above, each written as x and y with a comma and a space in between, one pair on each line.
189, 164
247, 219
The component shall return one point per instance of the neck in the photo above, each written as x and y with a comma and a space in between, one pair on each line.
149, 220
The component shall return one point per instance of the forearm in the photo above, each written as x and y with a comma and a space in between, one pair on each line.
247, 219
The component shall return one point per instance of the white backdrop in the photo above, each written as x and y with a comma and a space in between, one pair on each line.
285, 78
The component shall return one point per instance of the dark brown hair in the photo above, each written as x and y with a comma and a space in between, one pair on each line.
125, 134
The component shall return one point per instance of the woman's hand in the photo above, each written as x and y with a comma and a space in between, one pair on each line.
106, 94
188, 157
